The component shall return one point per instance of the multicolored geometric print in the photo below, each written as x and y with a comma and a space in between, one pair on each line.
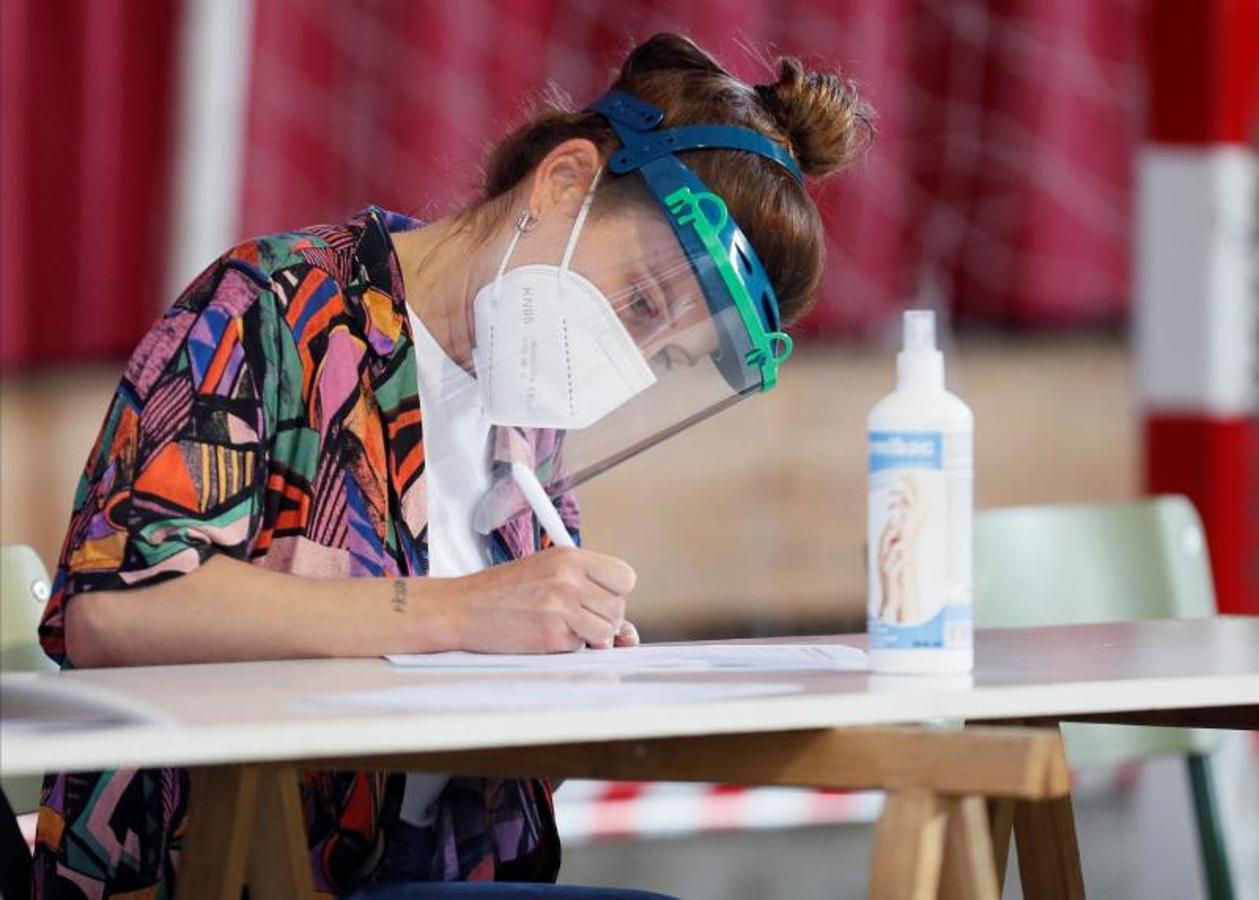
273, 415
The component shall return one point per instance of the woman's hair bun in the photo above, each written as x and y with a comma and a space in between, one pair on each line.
668, 51
825, 120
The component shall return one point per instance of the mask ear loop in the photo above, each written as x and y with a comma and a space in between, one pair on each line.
579, 223
524, 225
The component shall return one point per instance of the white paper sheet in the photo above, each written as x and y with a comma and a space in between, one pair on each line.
653, 657
522, 694
44, 703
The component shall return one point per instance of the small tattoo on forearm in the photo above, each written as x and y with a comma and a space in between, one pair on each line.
399, 595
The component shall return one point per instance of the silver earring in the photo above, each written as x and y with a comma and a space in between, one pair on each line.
526, 222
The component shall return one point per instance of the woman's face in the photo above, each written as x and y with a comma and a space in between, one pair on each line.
635, 260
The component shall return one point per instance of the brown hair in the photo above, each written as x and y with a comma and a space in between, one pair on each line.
817, 116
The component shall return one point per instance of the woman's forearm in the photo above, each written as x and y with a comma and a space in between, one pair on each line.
228, 610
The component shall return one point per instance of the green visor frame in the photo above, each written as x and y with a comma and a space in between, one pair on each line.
705, 229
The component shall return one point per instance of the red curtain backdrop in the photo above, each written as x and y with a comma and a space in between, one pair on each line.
998, 188
85, 120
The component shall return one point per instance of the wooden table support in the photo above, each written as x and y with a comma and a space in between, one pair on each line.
909, 846
1008, 762
1001, 828
1044, 833
1049, 856
249, 818
935, 837
970, 866
222, 805
279, 864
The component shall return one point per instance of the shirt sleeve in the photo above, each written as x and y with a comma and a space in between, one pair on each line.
178, 470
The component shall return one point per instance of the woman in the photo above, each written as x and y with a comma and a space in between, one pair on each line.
266, 486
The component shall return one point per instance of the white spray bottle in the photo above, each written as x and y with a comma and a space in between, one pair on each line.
921, 441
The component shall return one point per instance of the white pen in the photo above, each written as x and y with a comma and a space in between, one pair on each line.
541, 504
543, 508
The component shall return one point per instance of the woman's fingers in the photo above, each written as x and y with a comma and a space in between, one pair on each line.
566, 643
627, 636
609, 607
615, 576
549, 602
606, 581
595, 630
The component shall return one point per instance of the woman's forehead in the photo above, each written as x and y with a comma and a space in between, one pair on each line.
651, 235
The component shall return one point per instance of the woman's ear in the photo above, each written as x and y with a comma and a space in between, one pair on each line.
563, 178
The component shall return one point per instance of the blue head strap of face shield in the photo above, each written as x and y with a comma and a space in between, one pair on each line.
704, 227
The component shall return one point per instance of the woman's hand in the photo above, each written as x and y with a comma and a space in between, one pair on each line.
550, 602
229, 610
627, 636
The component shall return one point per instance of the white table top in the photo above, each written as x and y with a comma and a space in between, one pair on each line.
259, 712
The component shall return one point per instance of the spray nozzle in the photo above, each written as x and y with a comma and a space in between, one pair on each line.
920, 331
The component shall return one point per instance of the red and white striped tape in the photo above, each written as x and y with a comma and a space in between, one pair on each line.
589, 811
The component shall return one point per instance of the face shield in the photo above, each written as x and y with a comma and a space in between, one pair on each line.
640, 332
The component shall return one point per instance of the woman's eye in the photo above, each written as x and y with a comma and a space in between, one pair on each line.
641, 306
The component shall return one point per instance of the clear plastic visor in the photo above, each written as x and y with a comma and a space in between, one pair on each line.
637, 352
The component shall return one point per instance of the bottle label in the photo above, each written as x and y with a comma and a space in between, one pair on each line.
919, 554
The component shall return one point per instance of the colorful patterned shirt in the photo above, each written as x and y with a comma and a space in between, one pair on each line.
273, 415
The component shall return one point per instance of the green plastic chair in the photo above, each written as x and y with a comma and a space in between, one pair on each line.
24, 589
1080, 563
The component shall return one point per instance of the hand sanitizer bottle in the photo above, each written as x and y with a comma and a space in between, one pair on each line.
919, 556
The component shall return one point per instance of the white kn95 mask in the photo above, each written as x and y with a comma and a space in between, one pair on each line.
550, 350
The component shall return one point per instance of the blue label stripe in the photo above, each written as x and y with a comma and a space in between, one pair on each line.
906, 450
929, 634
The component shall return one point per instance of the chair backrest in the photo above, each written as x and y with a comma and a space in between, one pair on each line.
1078, 563
1075, 563
24, 589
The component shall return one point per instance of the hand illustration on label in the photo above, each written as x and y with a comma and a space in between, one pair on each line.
898, 570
